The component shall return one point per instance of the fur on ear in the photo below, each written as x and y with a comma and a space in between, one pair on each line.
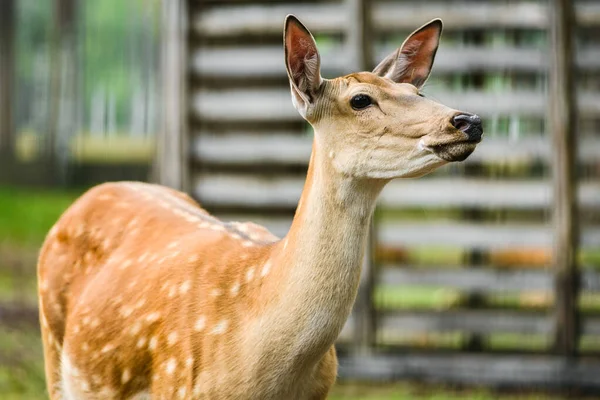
302, 62
412, 62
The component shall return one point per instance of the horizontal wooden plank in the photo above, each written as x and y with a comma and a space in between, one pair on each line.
258, 191
478, 193
333, 18
472, 235
233, 20
268, 20
259, 61
240, 148
481, 279
392, 16
267, 61
276, 104
477, 322
516, 371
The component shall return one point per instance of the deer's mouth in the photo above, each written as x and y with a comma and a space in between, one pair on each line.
456, 151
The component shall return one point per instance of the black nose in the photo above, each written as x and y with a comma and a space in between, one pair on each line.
469, 124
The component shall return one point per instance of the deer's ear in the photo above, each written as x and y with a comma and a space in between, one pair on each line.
412, 62
303, 64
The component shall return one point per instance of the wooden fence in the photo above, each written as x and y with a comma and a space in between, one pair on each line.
484, 272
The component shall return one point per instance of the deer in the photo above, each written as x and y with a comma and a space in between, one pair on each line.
143, 294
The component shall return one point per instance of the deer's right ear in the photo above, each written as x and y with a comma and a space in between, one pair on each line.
303, 64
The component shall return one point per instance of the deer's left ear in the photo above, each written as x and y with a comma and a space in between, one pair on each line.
303, 64
412, 62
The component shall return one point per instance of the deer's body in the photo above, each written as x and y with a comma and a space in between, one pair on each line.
145, 295
162, 298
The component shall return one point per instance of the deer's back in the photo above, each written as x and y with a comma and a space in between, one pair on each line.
137, 284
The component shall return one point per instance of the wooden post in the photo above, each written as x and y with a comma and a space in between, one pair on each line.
359, 45
172, 137
563, 120
64, 71
7, 65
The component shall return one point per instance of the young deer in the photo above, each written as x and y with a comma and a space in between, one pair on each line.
143, 294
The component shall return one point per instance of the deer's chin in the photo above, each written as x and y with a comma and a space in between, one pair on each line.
453, 151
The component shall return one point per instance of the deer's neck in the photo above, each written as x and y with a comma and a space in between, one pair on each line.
320, 259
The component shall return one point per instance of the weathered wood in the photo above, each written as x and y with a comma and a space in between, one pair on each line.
7, 78
268, 20
267, 147
471, 235
265, 61
387, 16
563, 119
284, 191
462, 368
479, 279
474, 322
171, 167
275, 104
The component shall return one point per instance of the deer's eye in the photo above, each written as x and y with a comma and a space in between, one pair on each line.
360, 101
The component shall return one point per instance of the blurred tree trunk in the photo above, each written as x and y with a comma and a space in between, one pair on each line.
7, 63
63, 118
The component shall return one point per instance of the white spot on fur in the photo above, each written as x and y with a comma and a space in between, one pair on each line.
170, 366
141, 342
86, 320
193, 259
126, 376
126, 311
182, 392
172, 245
216, 292
249, 274
189, 361
172, 291
235, 289
153, 317
266, 268
140, 303
185, 286
85, 347
219, 328
136, 328
200, 323
125, 264
172, 338
153, 343
95, 323
108, 347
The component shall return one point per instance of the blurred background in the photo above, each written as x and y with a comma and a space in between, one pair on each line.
482, 278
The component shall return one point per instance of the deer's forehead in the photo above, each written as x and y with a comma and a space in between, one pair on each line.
371, 82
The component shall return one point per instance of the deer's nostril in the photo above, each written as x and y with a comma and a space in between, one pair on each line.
469, 124
461, 125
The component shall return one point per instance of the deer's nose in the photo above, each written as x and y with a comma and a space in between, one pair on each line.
469, 124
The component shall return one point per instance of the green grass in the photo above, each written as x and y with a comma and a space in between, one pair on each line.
21, 365
26, 215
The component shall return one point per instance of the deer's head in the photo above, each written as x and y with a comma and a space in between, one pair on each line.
377, 124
